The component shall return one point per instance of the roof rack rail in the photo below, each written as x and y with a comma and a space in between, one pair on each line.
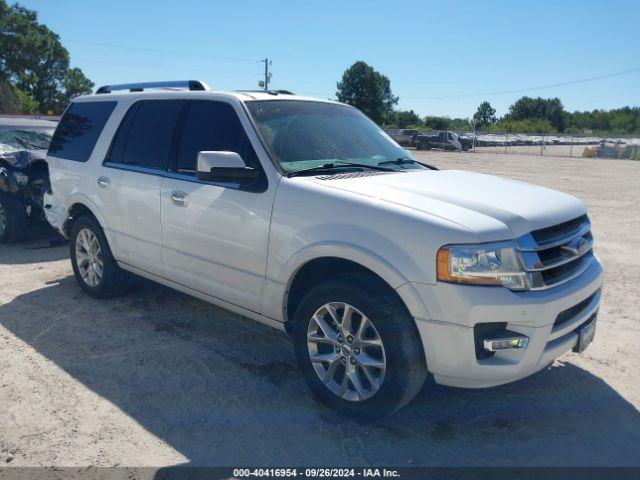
270, 92
140, 87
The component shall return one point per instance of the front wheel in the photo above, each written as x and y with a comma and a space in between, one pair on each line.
13, 218
358, 347
94, 267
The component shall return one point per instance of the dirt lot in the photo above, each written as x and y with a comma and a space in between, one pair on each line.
157, 378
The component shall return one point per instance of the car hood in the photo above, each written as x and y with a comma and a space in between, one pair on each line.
493, 208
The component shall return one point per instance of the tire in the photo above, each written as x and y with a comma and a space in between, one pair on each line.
13, 218
113, 281
401, 349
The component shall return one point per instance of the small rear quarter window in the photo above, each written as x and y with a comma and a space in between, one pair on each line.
79, 129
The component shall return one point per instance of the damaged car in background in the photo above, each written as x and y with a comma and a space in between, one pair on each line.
24, 174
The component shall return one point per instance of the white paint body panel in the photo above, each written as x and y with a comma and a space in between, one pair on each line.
241, 250
217, 244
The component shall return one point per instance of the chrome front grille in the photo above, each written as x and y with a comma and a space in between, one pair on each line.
554, 255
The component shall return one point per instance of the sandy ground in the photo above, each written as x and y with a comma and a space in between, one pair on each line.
156, 378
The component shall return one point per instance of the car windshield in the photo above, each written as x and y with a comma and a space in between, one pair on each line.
306, 134
15, 140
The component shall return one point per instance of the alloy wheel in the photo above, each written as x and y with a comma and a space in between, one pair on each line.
89, 257
346, 351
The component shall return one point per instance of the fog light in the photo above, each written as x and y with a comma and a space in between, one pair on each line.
511, 342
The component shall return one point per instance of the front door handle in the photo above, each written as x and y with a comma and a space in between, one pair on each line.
104, 182
179, 199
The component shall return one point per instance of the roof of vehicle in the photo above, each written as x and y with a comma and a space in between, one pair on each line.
180, 89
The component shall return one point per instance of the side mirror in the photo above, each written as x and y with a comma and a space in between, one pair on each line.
224, 167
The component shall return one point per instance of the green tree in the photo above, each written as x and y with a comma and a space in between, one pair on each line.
436, 123
368, 90
446, 123
34, 60
485, 115
9, 100
76, 83
27, 104
404, 119
549, 109
528, 125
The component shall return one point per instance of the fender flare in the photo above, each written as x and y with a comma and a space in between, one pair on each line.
361, 256
85, 201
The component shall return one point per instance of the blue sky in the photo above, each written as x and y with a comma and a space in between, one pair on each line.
427, 49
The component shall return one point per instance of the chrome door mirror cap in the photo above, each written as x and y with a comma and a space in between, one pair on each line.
218, 159
224, 167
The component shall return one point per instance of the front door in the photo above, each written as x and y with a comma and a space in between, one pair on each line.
215, 235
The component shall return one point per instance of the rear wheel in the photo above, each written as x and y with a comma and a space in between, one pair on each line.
94, 267
358, 347
13, 218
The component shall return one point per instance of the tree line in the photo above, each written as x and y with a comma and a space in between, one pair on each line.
35, 74
370, 91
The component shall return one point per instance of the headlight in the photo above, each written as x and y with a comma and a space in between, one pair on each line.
483, 264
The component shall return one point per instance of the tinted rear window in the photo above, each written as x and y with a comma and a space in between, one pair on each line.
79, 129
145, 135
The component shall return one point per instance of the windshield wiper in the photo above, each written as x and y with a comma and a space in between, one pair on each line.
25, 143
407, 160
342, 164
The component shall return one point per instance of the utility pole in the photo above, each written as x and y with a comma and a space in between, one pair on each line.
267, 76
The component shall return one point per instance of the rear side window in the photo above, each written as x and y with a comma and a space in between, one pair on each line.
210, 125
79, 129
145, 135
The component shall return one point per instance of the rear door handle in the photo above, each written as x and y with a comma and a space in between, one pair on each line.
104, 182
179, 199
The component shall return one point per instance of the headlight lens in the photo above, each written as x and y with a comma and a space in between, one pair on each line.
483, 264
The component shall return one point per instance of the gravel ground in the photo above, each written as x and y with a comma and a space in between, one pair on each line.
156, 378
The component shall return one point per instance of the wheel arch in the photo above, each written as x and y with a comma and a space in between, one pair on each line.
311, 270
79, 207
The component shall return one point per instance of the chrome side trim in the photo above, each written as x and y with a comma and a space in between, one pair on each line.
135, 168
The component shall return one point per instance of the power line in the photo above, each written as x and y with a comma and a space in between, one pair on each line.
159, 67
170, 52
506, 92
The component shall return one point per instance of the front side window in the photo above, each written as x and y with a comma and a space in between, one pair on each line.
146, 133
210, 125
307, 134
79, 129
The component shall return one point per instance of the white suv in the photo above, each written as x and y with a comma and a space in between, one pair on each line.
303, 214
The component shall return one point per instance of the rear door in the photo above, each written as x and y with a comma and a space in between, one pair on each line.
215, 234
131, 181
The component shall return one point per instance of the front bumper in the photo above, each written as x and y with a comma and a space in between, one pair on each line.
448, 335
